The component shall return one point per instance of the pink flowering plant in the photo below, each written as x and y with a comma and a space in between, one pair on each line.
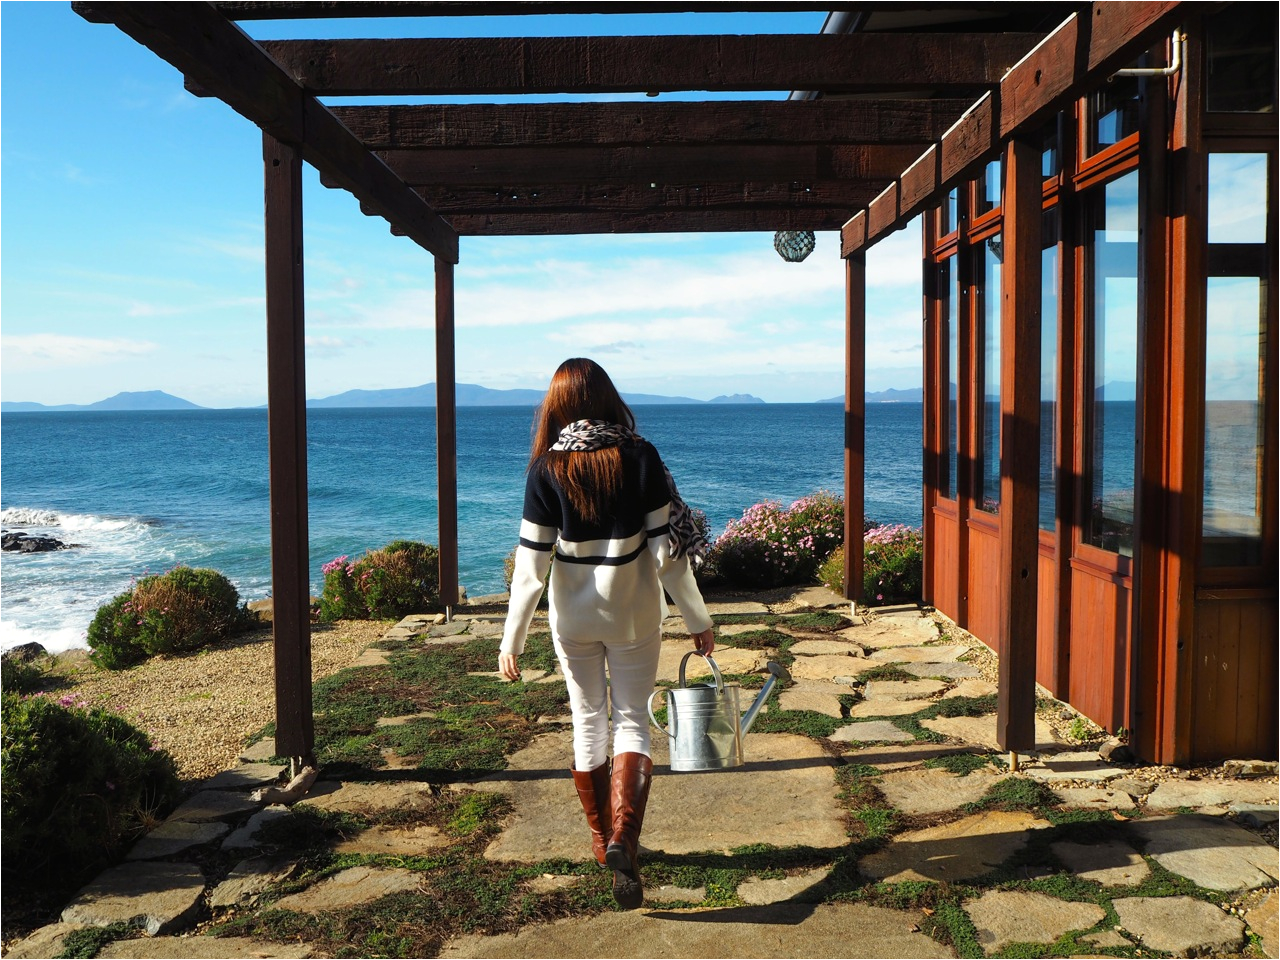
182, 610
771, 545
401, 578
892, 564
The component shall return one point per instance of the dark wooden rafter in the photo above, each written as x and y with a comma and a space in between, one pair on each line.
668, 163
1078, 55
670, 221
617, 124
329, 9
211, 51
853, 63
646, 198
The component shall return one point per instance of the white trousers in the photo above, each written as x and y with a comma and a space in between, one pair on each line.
632, 667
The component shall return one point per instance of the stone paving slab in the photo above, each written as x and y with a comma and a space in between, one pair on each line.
871, 731
732, 607
371, 657
733, 629
215, 805
831, 667
1094, 798
349, 888
962, 850
485, 628
1172, 794
902, 689
247, 776
893, 632
451, 629
1182, 926
1256, 815
160, 897
393, 841
813, 695
175, 836
790, 770
728, 659
816, 647
819, 598
245, 837
902, 756
1075, 765
951, 670
937, 653
982, 731
1112, 864
369, 797
782, 930
800, 888
973, 687
933, 791
887, 708
47, 941
250, 878
1002, 917
672, 894
259, 752
202, 948
404, 720
1216, 854
1262, 920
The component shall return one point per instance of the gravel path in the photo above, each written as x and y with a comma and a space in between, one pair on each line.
202, 707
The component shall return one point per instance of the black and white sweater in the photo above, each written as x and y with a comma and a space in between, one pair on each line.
608, 578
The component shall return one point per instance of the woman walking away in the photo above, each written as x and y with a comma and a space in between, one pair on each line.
600, 500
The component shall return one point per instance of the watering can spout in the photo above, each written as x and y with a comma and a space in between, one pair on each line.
776, 672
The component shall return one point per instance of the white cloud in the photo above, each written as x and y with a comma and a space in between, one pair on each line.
54, 350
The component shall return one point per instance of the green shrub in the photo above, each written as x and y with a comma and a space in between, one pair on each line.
77, 785
19, 676
182, 610
892, 565
771, 546
401, 578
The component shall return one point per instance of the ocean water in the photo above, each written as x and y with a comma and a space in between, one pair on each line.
144, 492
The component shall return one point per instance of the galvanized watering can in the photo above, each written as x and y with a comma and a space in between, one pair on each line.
705, 723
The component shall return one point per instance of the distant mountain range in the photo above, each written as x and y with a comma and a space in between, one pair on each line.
892, 395
468, 395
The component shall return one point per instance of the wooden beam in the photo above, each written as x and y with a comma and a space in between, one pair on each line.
670, 221
446, 436
617, 124
287, 449
640, 198
855, 422
215, 54
1074, 59
852, 63
1020, 297
327, 9
661, 164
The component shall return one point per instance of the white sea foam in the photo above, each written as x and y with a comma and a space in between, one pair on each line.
53, 639
28, 517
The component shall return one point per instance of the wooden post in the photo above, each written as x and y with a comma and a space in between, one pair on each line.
446, 437
287, 446
1019, 445
855, 420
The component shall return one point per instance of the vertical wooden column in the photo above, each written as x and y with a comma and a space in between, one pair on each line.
932, 452
855, 420
1019, 445
287, 446
446, 437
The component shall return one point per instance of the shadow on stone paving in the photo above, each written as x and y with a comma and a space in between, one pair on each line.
784, 914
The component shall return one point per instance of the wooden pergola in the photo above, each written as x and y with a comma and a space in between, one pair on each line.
892, 105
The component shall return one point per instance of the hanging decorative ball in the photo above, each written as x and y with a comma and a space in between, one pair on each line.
794, 245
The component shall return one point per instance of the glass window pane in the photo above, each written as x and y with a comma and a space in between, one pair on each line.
1113, 111
1112, 256
1051, 153
989, 188
953, 373
1237, 198
950, 213
1241, 59
989, 386
1048, 369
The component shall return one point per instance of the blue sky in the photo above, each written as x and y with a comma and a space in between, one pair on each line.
131, 256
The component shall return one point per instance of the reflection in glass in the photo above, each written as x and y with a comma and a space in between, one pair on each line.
1114, 112
1051, 154
990, 255
1048, 368
988, 185
1236, 333
1237, 198
1112, 259
949, 293
1240, 46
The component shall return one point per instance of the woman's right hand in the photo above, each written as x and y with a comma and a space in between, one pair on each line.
705, 642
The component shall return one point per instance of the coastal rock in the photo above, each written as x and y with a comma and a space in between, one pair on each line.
26, 652
25, 543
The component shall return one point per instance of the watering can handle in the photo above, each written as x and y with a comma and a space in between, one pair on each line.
714, 669
654, 720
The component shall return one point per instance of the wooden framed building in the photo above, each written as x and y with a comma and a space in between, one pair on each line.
1098, 187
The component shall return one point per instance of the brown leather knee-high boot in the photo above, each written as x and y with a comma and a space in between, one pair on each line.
593, 790
631, 775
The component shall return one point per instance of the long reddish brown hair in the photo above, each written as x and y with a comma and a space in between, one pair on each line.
581, 390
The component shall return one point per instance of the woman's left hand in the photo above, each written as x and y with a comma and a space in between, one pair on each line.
507, 666
705, 642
